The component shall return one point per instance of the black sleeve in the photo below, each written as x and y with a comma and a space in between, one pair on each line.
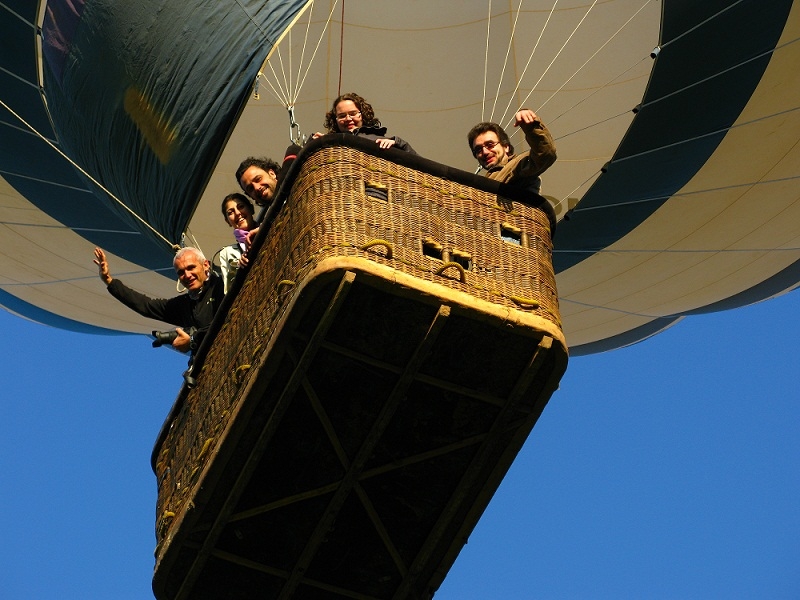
153, 308
403, 145
288, 159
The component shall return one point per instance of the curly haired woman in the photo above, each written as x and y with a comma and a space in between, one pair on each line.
352, 114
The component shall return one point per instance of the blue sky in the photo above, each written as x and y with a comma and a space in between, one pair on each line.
665, 470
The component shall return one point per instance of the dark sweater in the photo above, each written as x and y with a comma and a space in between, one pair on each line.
182, 311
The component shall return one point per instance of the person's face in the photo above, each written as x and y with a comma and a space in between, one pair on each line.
259, 184
348, 117
487, 148
191, 271
238, 215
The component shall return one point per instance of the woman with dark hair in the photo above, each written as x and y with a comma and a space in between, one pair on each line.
352, 114
238, 211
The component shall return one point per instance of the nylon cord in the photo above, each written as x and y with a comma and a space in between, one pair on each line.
530, 58
505, 61
486, 61
560, 50
92, 179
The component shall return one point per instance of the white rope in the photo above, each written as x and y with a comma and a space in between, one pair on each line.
285, 88
564, 45
321, 36
718, 73
277, 93
288, 92
303, 53
486, 61
596, 52
82, 170
530, 58
565, 201
589, 96
505, 61
702, 23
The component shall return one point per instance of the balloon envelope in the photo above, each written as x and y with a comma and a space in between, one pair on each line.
676, 127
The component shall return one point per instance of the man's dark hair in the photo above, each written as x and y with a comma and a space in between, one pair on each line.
262, 163
239, 198
488, 126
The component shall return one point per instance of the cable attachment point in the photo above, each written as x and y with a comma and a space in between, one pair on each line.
256, 96
295, 134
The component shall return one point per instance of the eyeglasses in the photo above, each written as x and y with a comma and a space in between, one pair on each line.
488, 146
352, 114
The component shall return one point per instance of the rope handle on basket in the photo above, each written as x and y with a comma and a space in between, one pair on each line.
447, 265
239, 373
525, 302
378, 242
285, 282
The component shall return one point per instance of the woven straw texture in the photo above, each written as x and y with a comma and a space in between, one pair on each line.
346, 203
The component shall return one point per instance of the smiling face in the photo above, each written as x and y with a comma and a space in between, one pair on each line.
348, 116
259, 184
238, 214
487, 148
191, 271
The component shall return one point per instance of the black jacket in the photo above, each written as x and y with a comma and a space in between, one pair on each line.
376, 133
182, 311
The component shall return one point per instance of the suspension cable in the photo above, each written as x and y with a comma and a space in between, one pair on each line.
505, 61
596, 52
316, 48
92, 179
486, 61
530, 58
564, 45
341, 52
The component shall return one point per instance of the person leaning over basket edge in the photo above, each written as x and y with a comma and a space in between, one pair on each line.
258, 178
194, 309
491, 146
238, 212
352, 114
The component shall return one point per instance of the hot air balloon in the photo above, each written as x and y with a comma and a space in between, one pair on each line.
127, 125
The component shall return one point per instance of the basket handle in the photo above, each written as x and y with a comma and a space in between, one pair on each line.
378, 242
525, 302
447, 265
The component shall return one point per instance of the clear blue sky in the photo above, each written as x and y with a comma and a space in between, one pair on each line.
664, 470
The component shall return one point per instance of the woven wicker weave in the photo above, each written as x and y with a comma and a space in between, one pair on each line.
437, 231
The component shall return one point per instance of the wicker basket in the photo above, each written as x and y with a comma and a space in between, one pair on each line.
355, 211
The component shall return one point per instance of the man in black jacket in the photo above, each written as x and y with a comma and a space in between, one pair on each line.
194, 309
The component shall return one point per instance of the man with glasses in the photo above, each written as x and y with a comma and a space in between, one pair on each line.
495, 153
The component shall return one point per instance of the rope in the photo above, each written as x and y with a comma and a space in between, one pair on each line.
560, 50
530, 58
92, 179
486, 61
341, 53
287, 93
303, 53
579, 69
319, 41
702, 23
505, 61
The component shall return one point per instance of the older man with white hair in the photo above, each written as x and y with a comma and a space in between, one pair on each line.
192, 312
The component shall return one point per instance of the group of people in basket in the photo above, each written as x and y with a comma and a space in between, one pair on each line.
193, 312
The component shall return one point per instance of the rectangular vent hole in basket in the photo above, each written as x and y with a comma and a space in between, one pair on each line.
373, 189
433, 249
511, 234
462, 258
